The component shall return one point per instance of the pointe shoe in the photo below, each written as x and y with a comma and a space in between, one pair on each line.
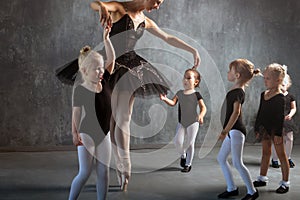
124, 183
119, 177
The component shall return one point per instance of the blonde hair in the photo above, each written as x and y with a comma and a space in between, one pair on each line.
287, 81
277, 71
87, 58
245, 68
196, 75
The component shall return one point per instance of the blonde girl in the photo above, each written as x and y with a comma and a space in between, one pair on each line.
269, 126
91, 118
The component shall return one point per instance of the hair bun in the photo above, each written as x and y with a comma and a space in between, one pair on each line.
256, 71
85, 50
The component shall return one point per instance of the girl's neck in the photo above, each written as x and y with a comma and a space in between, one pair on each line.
189, 91
237, 85
271, 93
274, 90
91, 86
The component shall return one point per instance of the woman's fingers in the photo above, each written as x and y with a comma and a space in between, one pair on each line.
106, 20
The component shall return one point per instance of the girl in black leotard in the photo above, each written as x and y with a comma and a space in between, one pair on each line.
269, 126
90, 122
133, 76
241, 71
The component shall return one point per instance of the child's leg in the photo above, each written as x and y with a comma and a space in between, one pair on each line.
222, 159
266, 154
179, 139
274, 154
102, 172
283, 160
274, 160
103, 153
289, 139
191, 133
85, 168
237, 147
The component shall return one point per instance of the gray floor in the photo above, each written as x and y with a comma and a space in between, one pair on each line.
48, 175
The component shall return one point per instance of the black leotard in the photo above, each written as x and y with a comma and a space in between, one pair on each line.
96, 108
187, 110
235, 95
270, 115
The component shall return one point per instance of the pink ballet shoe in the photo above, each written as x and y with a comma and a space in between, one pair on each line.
124, 183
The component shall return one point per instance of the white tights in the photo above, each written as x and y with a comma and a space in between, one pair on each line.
288, 143
235, 145
188, 148
88, 154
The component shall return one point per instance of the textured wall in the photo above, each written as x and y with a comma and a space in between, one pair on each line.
38, 36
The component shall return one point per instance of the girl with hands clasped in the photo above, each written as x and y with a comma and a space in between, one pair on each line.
189, 99
269, 126
91, 118
241, 71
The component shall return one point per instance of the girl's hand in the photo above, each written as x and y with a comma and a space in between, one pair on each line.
106, 32
257, 137
105, 18
99, 87
200, 120
77, 140
197, 59
163, 97
278, 140
288, 118
223, 135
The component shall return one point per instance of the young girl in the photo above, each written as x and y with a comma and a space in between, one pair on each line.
240, 73
288, 124
91, 118
269, 126
188, 117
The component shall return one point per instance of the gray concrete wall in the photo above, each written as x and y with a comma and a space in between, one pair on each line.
39, 36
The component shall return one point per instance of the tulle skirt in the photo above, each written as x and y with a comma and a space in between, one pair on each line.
132, 73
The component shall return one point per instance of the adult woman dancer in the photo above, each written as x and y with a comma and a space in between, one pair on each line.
133, 75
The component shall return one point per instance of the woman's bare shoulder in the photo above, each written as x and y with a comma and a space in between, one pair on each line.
115, 6
150, 23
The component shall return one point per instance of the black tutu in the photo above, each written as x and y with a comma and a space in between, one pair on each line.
68, 72
141, 79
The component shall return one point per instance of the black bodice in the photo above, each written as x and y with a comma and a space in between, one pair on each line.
124, 37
